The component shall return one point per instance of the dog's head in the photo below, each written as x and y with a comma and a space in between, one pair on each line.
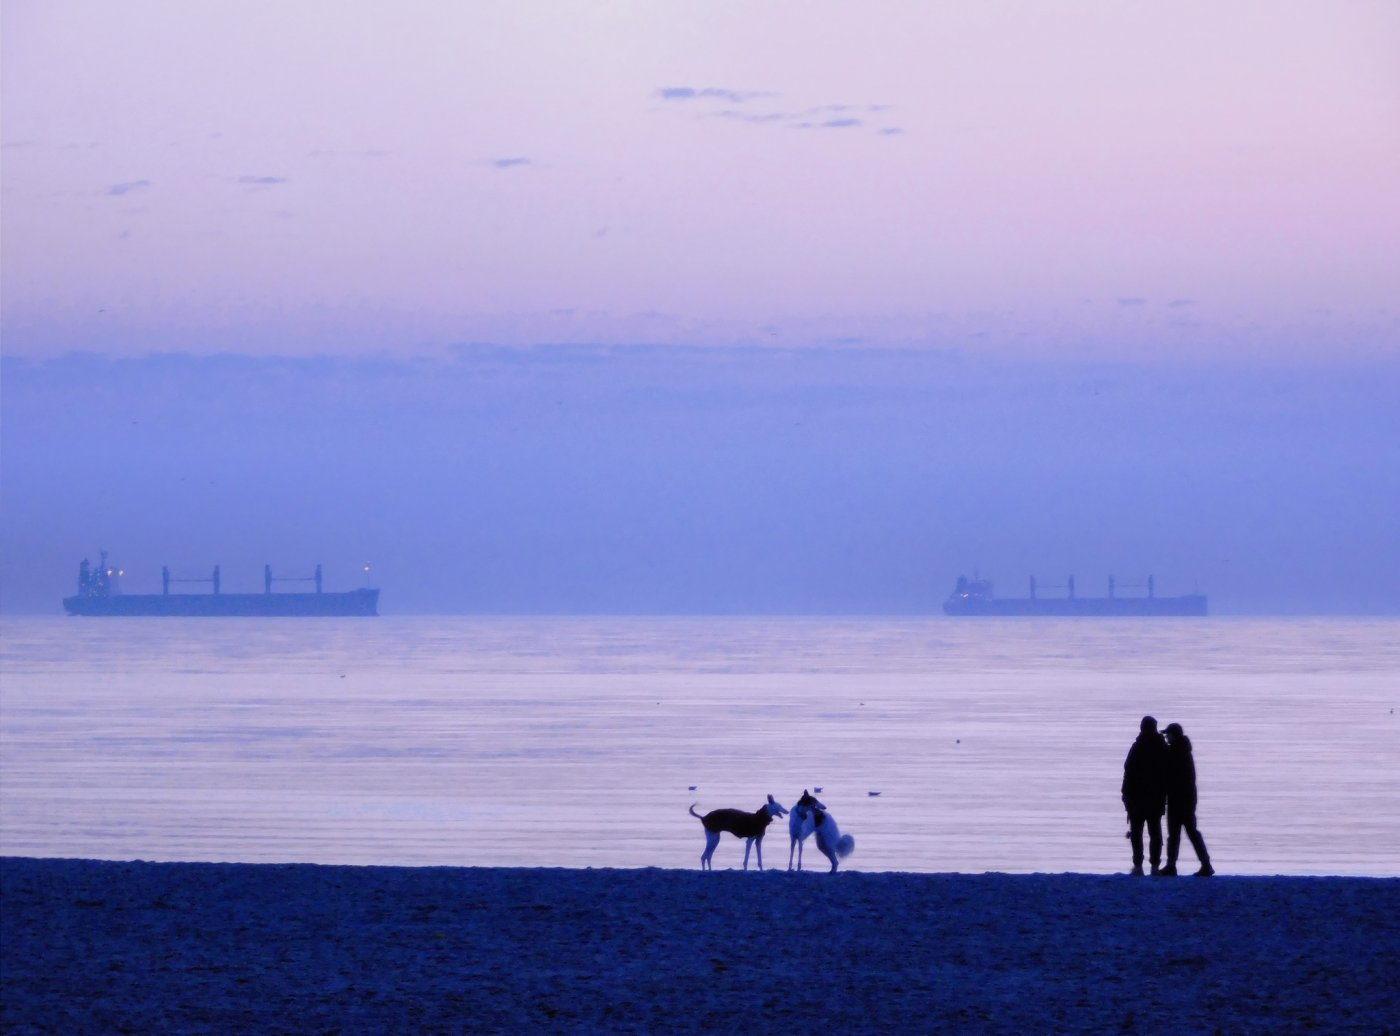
775, 809
808, 801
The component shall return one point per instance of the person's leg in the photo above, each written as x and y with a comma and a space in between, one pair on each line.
1154, 841
1135, 823
1173, 843
1199, 844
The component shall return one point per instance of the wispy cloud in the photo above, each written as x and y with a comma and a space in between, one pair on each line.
509, 163
730, 113
1132, 301
710, 93
127, 187
820, 116
262, 181
366, 153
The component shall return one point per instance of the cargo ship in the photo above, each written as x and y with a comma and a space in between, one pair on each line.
99, 594
974, 597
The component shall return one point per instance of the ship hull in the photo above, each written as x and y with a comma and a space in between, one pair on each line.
1189, 605
350, 603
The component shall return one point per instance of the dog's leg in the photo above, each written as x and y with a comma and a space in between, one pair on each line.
711, 840
759, 842
748, 844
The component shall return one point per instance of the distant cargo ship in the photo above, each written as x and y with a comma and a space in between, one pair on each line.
974, 597
98, 594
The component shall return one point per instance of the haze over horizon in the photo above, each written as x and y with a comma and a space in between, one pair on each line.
663, 308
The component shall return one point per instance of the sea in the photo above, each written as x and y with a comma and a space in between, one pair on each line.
939, 744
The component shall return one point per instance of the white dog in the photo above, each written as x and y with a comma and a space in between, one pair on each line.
802, 822
751, 827
832, 843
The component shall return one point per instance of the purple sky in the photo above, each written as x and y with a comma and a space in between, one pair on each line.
706, 306
296, 177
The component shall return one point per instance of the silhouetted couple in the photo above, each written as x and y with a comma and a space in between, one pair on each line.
1159, 776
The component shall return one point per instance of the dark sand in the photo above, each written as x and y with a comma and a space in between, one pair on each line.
145, 948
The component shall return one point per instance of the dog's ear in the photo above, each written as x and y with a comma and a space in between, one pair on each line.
770, 798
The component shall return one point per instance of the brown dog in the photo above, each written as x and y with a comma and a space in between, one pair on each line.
751, 827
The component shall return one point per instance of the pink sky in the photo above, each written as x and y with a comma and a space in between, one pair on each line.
273, 177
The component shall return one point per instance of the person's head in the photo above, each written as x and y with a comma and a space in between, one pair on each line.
1149, 725
1174, 732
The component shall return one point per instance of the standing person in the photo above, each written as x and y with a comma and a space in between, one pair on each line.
1145, 791
1181, 803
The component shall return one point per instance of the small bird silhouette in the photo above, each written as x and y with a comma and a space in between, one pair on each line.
691, 788
818, 791
872, 794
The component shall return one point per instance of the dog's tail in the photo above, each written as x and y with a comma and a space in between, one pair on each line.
845, 845
696, 815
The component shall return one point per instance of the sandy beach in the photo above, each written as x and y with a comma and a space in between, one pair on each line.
143, 947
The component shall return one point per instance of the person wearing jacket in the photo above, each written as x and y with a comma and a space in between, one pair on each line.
1145, 791
1181, 803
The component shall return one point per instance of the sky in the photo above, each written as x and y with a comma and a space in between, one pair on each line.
557, 307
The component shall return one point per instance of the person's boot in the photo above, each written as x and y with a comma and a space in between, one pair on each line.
1206, 870
1136, 871
1169, 871
1155, 869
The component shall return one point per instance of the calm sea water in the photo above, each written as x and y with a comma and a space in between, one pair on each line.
992, 744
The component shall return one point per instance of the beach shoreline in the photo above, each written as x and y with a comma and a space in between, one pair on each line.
92, 946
